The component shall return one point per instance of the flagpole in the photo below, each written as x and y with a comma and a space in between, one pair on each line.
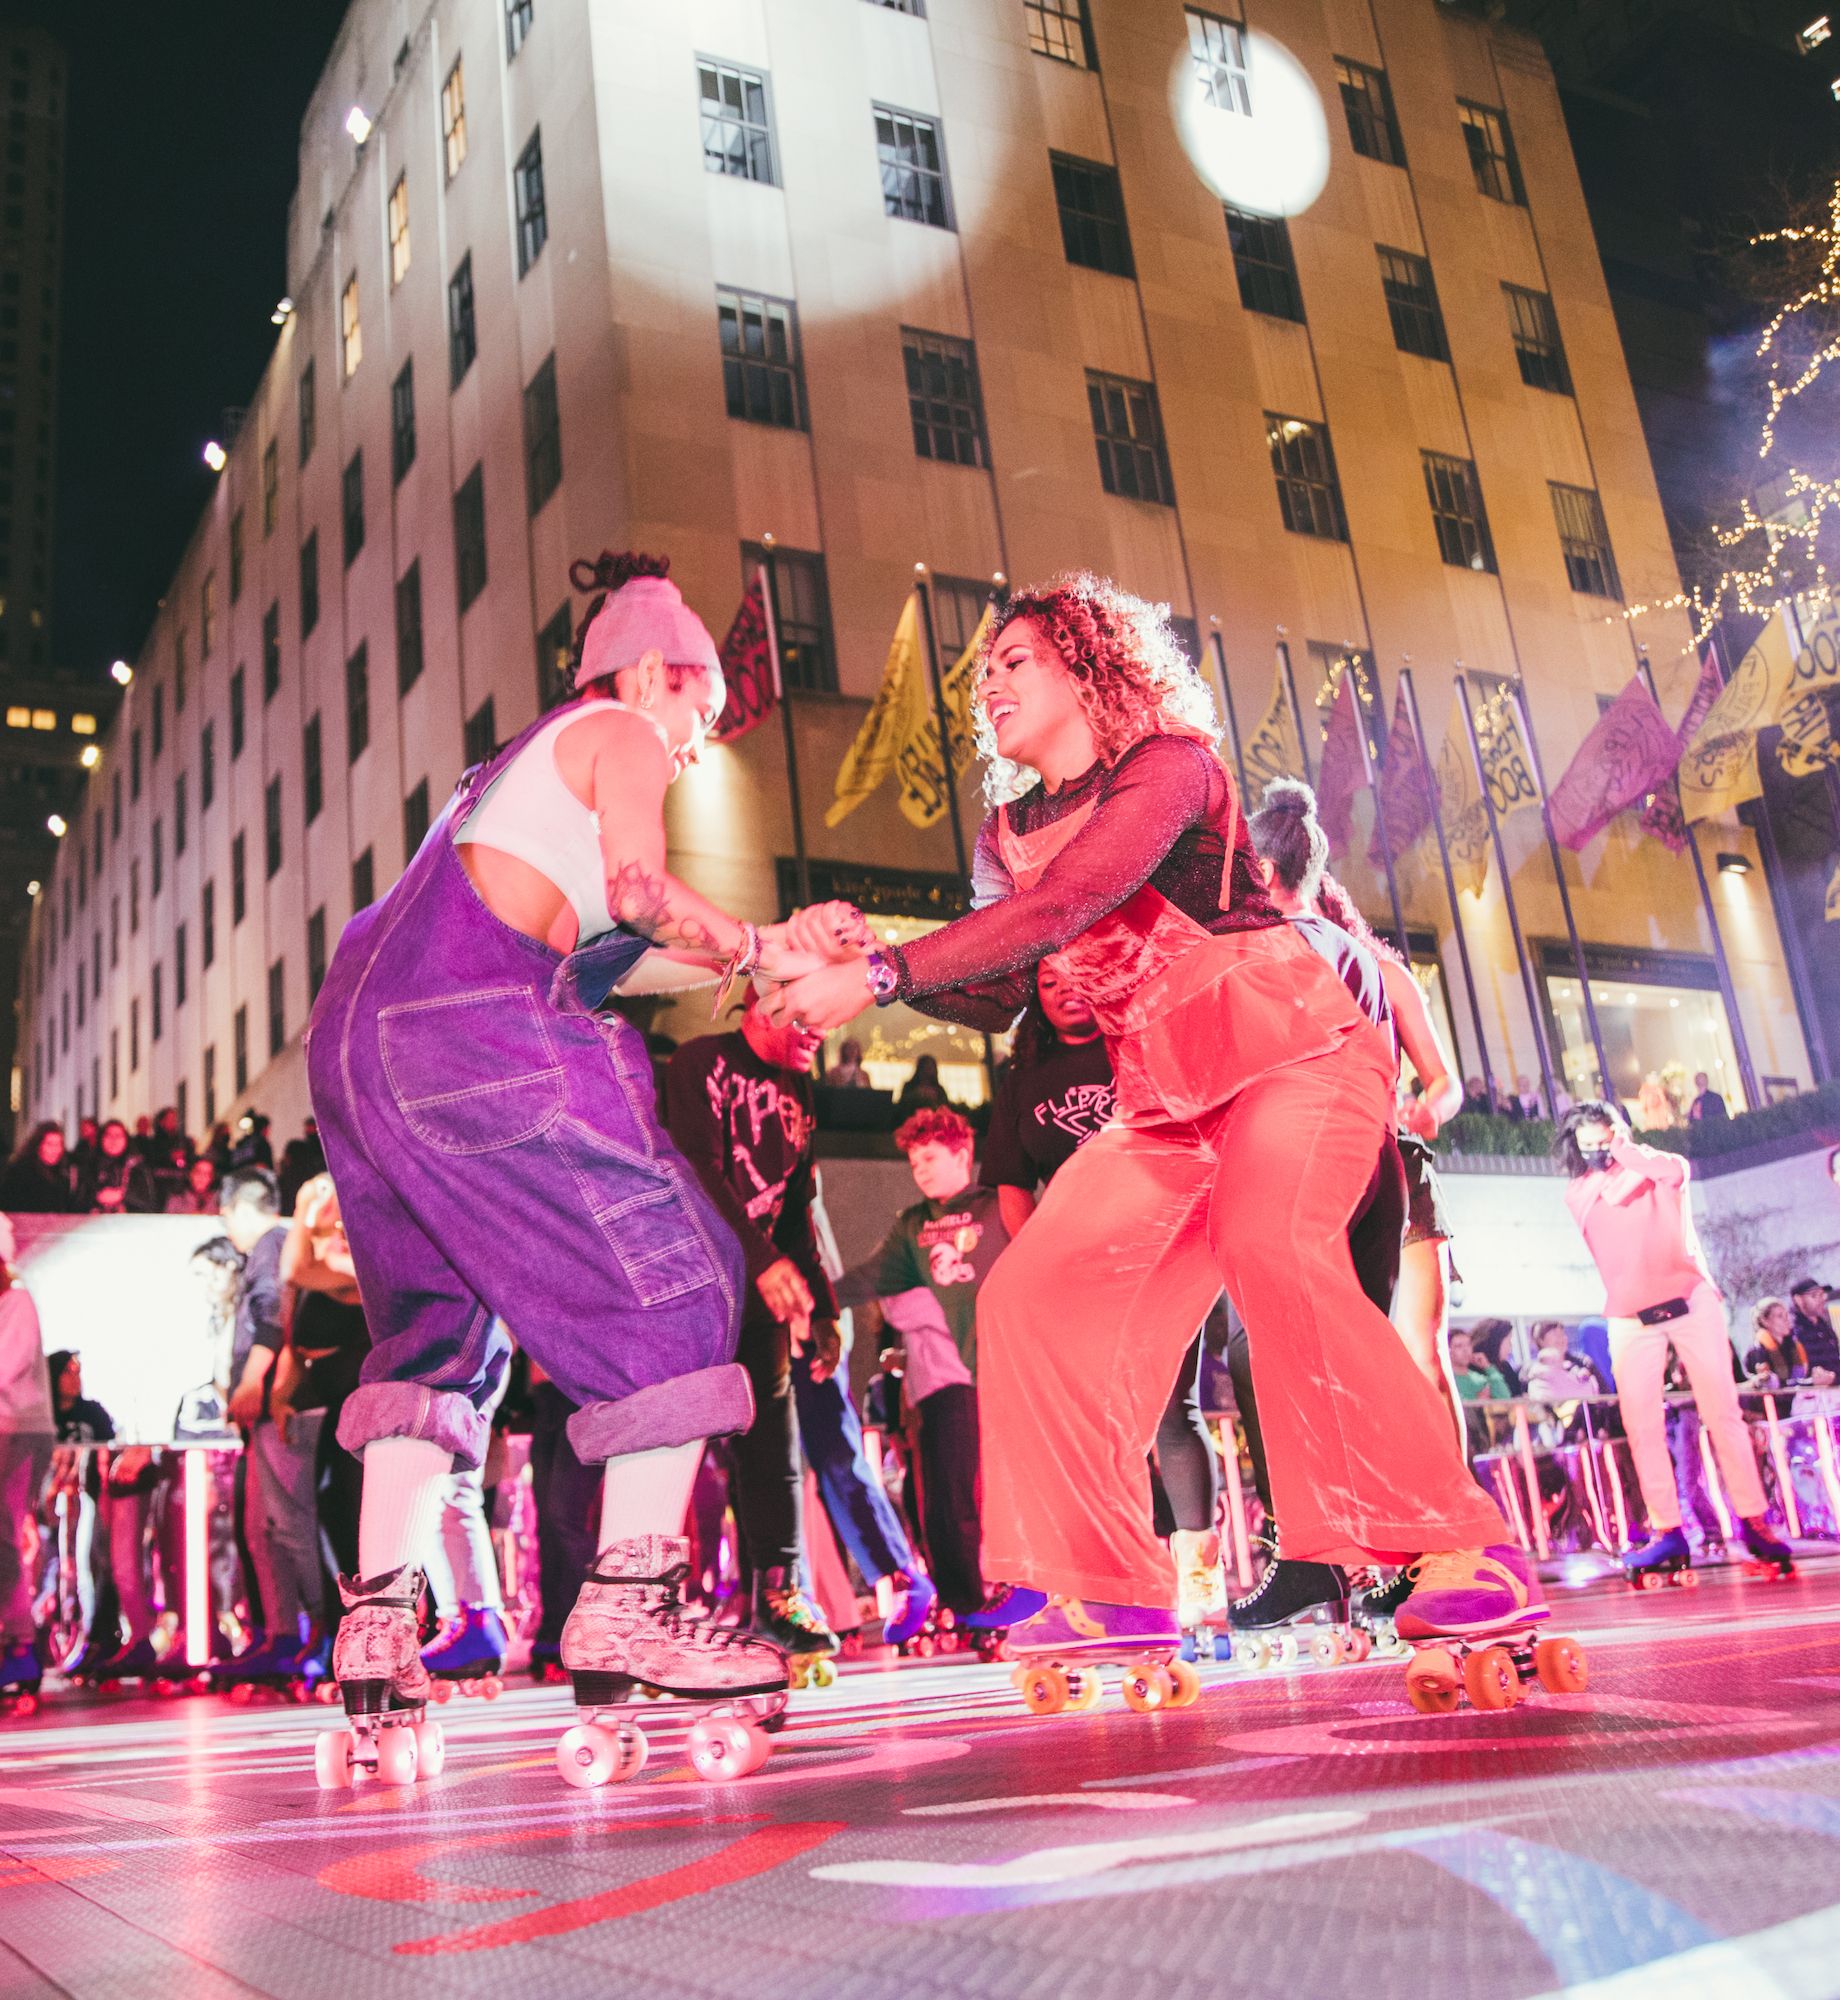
1380, 821
801, 861
1226, 696
945, 733
1565, 897
1450, 880
1727, 992
1290, 688
1507, 892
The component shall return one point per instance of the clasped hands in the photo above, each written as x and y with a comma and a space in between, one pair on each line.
814, 966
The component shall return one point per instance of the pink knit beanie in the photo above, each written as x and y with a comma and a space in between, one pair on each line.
643, 613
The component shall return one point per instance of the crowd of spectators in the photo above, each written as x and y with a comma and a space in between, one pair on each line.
154, 1168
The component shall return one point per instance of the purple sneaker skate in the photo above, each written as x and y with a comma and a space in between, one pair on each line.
1061, 1648
1463, 1593
1471, 1621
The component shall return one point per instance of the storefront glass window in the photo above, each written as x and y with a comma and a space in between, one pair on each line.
1656, 1039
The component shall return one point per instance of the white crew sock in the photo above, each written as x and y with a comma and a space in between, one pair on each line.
648, 1492
405, 1481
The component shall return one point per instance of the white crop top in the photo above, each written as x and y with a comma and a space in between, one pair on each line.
528, 811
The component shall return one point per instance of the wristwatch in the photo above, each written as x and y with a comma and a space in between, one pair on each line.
883, 977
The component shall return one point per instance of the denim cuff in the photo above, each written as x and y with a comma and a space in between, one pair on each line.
711, 1402
376, 1410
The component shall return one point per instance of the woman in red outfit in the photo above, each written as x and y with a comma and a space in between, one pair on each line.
1253, 1099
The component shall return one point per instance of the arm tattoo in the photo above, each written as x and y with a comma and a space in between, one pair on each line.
637, 898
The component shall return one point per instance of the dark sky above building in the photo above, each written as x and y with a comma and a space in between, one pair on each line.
181, 150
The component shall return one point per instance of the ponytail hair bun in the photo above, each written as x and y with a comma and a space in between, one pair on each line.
608, 571
1290, 838
636, 610
1290, 797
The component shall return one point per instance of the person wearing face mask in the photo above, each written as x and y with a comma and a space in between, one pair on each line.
461, 1069
1632, 1205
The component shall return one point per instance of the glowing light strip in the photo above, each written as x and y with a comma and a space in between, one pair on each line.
1616, 1495
1239, 1534
1523, 1444
1715, 1492
1779, 1457
1593, 1488
197, 1558
1824, 1448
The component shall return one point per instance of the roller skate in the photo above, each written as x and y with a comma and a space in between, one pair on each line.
1471, 1619
20, 1675
545, 1663
385, 1688
136, 1661
1769, 1557
468, 1654
911, 1614
1201, 1594
1374, 1607
786, 1617
1663, 1559
1059, 1651
1288, 1595
629, 1629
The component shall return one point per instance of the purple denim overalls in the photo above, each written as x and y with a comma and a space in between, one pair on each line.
498, 1156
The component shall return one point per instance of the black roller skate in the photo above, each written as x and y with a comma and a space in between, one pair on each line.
1291, 1594
1375, 1606
1663, 1559
20, 1675
1769, 1557
786, 1615
377, 1663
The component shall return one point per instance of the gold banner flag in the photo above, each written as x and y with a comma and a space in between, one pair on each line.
1718, 769
921, 774
1466, 823
1505, 762
1833, 897
1272, 750
894, 717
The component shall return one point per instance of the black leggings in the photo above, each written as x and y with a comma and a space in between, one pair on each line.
1185, 1473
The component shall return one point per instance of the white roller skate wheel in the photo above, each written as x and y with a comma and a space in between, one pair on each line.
1327, 1650
1253, 1650
760, 1745
332, 1750
1284, 1649
720, 1750
396, 1754
430, 1749
588, 1756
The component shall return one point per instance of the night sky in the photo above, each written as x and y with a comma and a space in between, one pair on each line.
180, 162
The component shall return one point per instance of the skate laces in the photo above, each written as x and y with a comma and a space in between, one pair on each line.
1446, 1569
674, 1615
795, 1608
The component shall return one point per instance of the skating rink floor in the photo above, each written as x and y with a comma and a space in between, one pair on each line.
1674, 1830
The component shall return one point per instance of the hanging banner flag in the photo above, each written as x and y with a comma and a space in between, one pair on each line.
1833, 897
917, 763
750, 665
1719, 768
1273, 749
894, 717
1626, 754
1342, 770
1405, 788
1661, 816
1506, 766
1466, 820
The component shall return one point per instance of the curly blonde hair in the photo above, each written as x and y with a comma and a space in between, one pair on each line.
1132, 677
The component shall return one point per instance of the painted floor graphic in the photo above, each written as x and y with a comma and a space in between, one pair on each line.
1676, 1829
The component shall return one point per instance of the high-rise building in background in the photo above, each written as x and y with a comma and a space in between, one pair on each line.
945, 283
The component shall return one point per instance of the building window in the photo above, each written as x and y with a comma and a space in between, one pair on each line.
134, 766
470, 536
351, 334
309, 415
481, 733
1263, 263
453, 119
402, 423
1128, 431
517, 26
1367, 101
207, 926
271, 829
134, 903
316, 953
210, 1085
312, 787
1589, 566
271, 652
1091, 204
357, 704
240, 1039
462, 328
409, 627
1457, 511
309, 592
159, 721
532, 215
156, 855
415, 821
1491, 152
542, 436
762, 374
363, 882
1412, 304
134, 1033
180, 815
236, 576
180, 974
114, 941
555, 658
239, 880
351, 495
399, 229
239, 724
1059, 29
801, 590
1302, 462
913, 167
737, 139
271, 487
85, 725
1537, 346
943, 400
277, 1024
207, 765
157, 1024
1218, 49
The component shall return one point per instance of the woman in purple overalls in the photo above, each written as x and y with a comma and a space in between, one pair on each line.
499, 1159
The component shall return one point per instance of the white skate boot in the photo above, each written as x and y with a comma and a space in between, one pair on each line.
629, 1630
377, 1664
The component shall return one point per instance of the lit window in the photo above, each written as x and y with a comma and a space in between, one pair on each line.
1590, 567
350, 334
83, 725
44, 718
1059, 29
1817, 31
19, 718
1491, 153
453, 119
1302, 463
399, 229
1219, 51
